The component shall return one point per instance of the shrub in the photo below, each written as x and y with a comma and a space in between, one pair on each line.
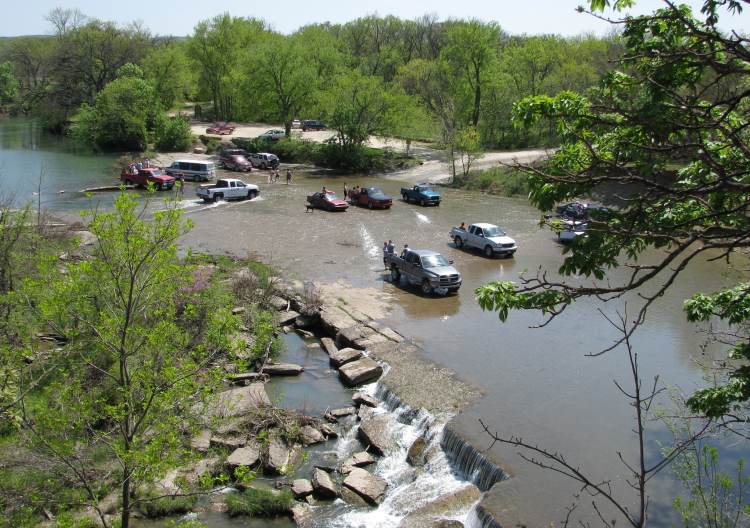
164, 506
497, 180
173, 134
259, 502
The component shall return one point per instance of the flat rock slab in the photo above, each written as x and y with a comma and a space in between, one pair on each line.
301, 488
310, 435
230, 441
360, 398
368, 486
248, 377
335, 414
375, 432
202, 441
244, 456
323, 485
302, 515
278, 303
344, 356
236, 402
278, 457
334, 320
328, 345
286, 318
328, 431
432, 514
283, 369
361, 459
358, 372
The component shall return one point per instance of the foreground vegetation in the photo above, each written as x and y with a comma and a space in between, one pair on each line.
107, 350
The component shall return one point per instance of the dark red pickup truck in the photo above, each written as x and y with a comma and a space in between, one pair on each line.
132, 176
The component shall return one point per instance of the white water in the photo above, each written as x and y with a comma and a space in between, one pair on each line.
422, 218
368, 243
408, 488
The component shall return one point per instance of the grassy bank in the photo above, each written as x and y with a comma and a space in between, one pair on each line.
496, 180
331, 156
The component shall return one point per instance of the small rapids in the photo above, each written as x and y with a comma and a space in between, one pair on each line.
368, 243
422, 218
409, 488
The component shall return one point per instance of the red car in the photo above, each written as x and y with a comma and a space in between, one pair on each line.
328, 201
222, 129
134, 176
371, 197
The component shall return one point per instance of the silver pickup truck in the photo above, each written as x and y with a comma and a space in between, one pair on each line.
427, 269
488, 238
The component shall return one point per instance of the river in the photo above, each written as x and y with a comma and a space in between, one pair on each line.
537, 383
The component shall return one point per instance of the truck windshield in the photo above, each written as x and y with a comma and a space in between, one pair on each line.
434, 261
425, 189
331, 196
156, 172
493, 232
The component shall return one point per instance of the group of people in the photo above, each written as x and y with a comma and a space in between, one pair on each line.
390, 249
134, 167
351, 193
273, 176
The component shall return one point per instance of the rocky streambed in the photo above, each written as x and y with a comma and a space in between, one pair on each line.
380, 453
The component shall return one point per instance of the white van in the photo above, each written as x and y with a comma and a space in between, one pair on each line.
196, 170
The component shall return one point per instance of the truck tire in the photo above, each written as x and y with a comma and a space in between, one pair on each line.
128, 182
395, 274
158, 187
251, 194
263, 166
459, 241
369, 205
217, 197
488, 251
422, 202
405, 197
426, 287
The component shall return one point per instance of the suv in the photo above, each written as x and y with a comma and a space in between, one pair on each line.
264, 160
272, 135
234, 159
313, 124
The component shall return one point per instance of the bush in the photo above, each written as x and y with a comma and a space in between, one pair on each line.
259, 502
173, 134
164, 506
497, 180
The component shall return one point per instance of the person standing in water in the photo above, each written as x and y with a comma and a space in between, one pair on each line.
288, 176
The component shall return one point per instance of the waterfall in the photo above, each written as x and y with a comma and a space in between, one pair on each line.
470, 463
478, 518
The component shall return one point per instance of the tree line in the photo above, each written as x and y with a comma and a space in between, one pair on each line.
416, 79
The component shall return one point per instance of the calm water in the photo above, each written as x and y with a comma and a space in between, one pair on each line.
538, 382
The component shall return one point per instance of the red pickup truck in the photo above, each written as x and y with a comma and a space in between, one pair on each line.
142, 177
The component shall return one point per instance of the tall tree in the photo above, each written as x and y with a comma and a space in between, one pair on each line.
168, 68
472, 48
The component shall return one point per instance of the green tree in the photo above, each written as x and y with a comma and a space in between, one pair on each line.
173, 134
357, 106
281, 78
8, 85
122, 115
168, 69
472, 49
130, 374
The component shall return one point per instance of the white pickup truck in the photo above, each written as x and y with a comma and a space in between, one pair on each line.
488, 238
227, 189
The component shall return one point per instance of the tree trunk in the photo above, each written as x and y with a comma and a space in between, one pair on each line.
288, 128
477, 103
125, 516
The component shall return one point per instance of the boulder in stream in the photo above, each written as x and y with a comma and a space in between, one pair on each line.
244, 456
375, 432
283, 369
310, 435
323, 485
360, 398
361, 459
328, 345
358, 372
368, 486
344, 356
301, 488
416, 454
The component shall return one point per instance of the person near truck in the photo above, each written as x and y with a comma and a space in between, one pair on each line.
288, 176
346, 195
405, 251
385, 253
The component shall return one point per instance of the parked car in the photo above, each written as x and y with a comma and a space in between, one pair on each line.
235, 159
422, 193
488, 238
131, 175
272, 135
296, 123
371, 197
582, 211
570, 230
264, 160
222, 129
313, 124
328, 201
228, 189
429, 270
196, 170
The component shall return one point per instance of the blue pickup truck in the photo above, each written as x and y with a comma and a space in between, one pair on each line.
422, 193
